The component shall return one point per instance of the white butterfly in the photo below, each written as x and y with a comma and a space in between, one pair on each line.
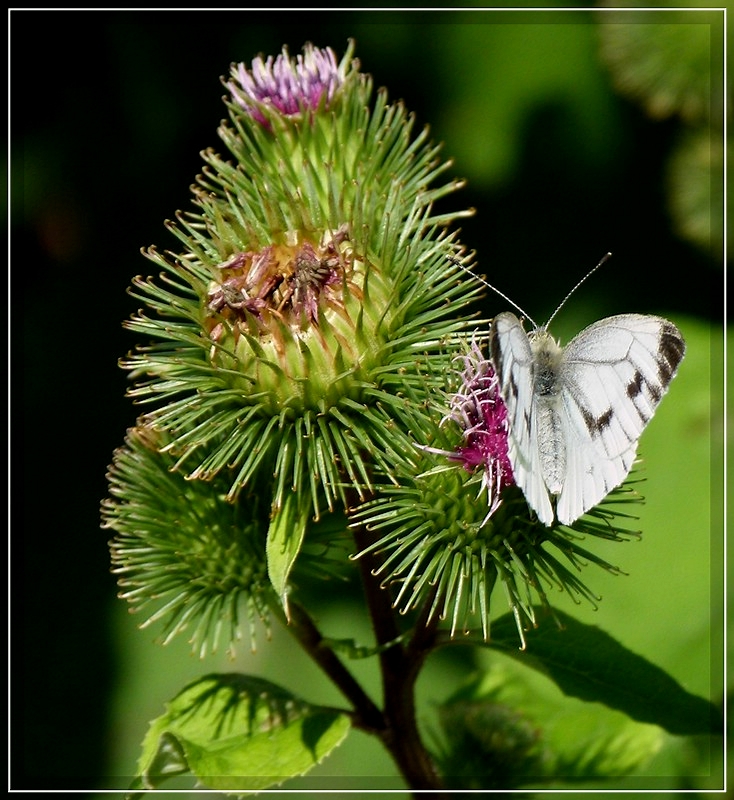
575, 414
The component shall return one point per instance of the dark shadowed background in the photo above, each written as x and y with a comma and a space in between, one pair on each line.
109, 111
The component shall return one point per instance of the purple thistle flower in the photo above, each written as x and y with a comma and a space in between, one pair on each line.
290, 86
479, 410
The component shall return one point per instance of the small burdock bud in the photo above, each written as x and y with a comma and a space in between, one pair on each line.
192, 561
184, 554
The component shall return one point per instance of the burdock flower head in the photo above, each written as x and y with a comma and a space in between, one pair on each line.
312, 291
479, 410
289, 86
458, 524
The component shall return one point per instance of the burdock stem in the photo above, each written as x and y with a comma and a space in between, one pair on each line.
399, 667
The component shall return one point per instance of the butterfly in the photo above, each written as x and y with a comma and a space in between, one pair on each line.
576, 413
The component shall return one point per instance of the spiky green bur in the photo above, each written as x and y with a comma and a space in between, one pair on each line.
456, 525
311, 294
440, 547
182, 552
661, 60
313, 279
189, 558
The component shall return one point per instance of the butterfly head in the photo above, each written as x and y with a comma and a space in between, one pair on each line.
545, 348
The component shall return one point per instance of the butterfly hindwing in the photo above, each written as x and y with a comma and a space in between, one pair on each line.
603, 389
613, 375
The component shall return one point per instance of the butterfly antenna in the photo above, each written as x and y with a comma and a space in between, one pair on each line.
588, 275
493, 288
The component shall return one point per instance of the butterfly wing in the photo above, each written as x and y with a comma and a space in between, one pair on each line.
612, 377
513, 362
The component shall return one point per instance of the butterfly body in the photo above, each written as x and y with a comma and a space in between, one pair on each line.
575, 414
547, 356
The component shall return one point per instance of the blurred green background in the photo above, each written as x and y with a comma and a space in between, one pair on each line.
577, 132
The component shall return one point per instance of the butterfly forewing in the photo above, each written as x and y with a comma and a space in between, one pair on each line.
605, 388
514, 363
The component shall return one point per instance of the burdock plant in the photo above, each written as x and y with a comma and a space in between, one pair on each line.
318, 406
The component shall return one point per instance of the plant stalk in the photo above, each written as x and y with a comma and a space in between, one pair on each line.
399, 667
367, 717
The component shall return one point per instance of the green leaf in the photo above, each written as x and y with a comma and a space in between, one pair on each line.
501, 731
237, 733
587, 663
285, 537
